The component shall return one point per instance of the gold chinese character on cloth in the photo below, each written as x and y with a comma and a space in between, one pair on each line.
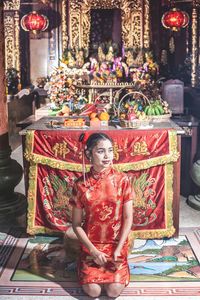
60, 149
116, 151
140, 148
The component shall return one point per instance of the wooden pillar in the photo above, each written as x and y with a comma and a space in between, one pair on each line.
12, 205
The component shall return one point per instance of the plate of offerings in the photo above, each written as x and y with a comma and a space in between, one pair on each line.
134, 124
68, 123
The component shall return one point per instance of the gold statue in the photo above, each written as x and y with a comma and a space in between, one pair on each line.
70, 60
139, 59
80, 59
110, 54
150, 65
129, 59
101, 55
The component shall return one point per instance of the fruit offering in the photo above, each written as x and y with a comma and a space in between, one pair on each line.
133, 111
157, 108
88, 109
102, 116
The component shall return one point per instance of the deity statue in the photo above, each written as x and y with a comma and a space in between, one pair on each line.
104, 71
70, 60
80, 59
129, 58
139, 59
110, 54
94, 65
150, 65
101, 55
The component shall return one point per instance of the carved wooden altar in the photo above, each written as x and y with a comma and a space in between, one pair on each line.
75, 26
135, 21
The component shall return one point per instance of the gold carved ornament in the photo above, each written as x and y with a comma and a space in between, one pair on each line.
64, 25
11, 4
11, 28
146, 34
135, 21
9, 41
194, 59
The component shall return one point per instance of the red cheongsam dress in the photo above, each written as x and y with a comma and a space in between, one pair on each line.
102, 196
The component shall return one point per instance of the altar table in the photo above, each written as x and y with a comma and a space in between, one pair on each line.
150, 157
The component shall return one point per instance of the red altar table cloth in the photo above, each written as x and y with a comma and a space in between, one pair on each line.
55, 158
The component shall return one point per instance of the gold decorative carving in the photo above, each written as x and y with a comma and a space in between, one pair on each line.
11, 4
64, 25
194, 59
135, 21
146, 35
11, 29
9, 41
17, 47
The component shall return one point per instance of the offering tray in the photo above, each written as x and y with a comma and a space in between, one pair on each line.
67, 123
55, 123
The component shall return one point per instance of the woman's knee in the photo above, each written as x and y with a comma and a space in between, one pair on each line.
93, 290
113, 290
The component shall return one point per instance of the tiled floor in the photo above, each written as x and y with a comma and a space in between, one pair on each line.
188, 218
101, 298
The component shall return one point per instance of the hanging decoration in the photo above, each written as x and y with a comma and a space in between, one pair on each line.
171, 45
34, 22
175, 19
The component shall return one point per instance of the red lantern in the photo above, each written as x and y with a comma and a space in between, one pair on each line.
175, 19
34, 22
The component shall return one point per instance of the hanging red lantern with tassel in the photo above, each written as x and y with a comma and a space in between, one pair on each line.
34, 22
175, 19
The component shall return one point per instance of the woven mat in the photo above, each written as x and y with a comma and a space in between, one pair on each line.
38, 266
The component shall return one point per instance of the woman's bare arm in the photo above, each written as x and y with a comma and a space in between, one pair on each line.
98, 256
126, 227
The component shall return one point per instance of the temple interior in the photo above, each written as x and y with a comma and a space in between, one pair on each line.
130, 69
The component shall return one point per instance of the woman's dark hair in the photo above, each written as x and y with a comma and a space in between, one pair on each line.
93, 140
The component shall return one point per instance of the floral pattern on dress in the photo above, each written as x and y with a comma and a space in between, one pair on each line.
102, 196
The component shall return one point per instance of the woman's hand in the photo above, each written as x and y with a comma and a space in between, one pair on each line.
117, 255
100, 258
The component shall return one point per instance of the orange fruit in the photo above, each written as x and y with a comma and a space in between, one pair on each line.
95, 119
65, 109
93, 115
104, 116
